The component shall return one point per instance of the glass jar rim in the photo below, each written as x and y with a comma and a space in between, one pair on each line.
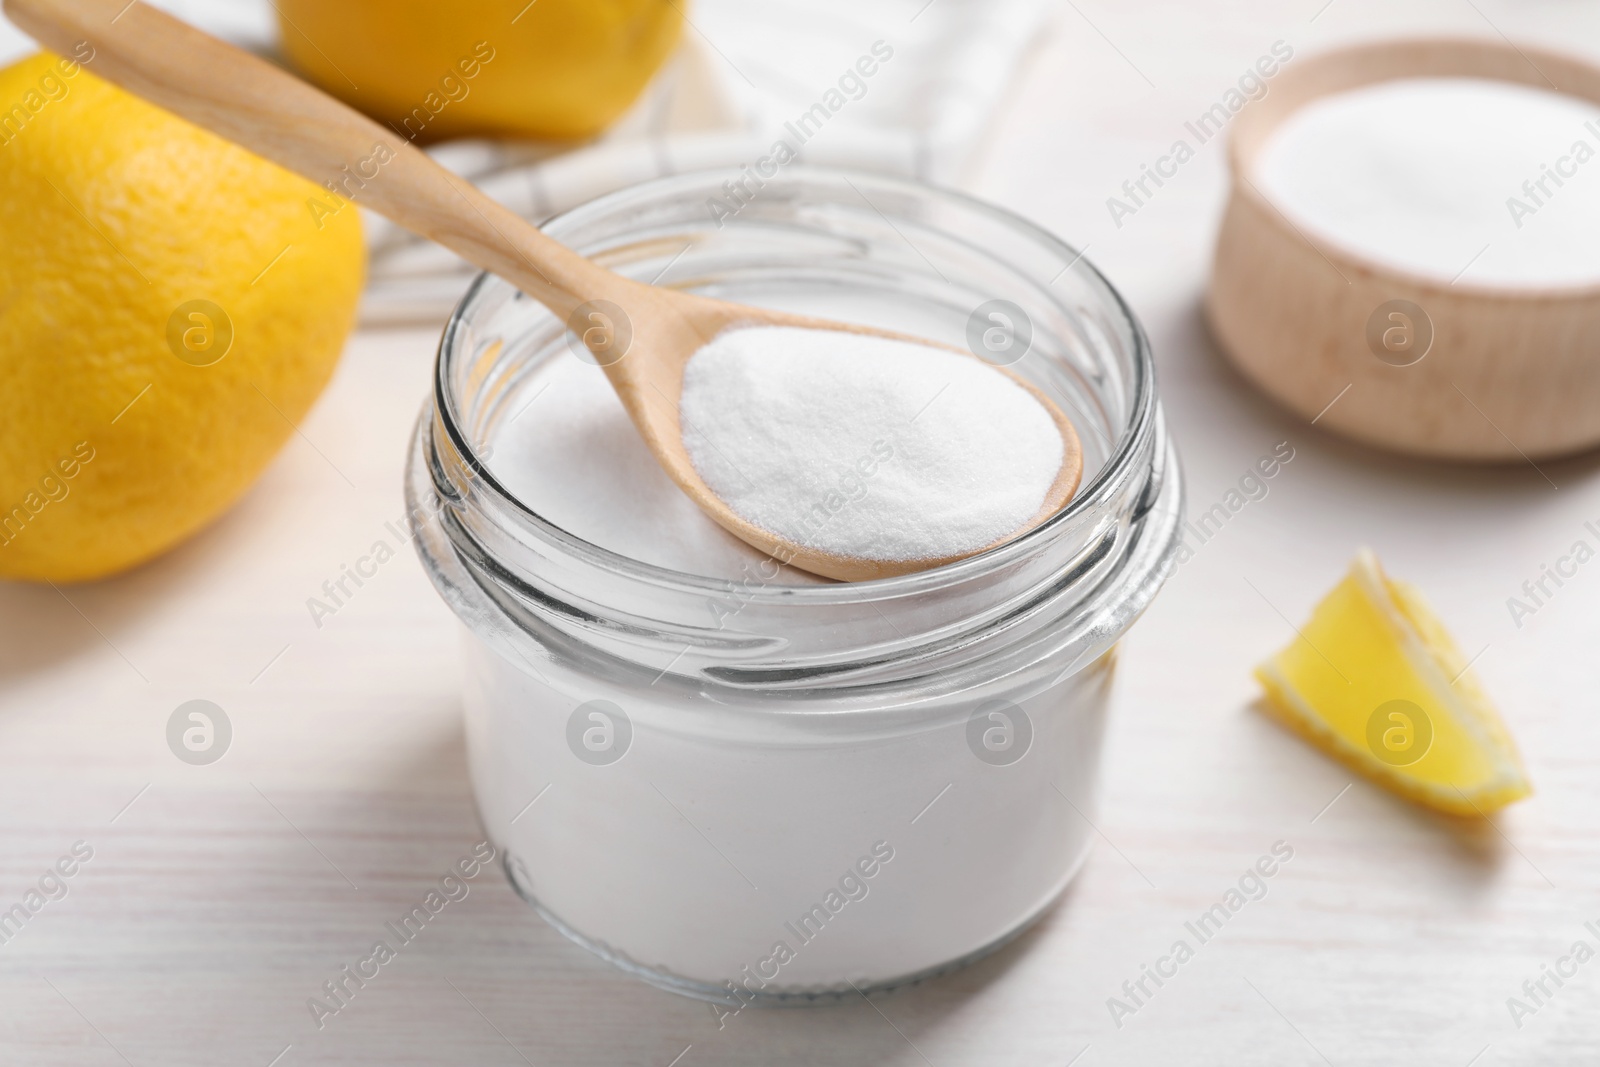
1133, 439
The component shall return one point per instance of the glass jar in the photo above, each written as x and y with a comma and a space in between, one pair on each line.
748, 789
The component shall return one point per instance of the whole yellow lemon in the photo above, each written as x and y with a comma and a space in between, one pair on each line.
547, 68
170, 306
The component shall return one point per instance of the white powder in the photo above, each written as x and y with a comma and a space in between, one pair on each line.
1493, 182
607, 853
568, 451
789, 802
866, 447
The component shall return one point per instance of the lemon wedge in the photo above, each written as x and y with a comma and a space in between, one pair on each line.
1375, 681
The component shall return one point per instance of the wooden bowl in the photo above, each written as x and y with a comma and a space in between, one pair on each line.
1509, 374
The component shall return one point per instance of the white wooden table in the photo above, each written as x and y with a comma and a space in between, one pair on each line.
219, 898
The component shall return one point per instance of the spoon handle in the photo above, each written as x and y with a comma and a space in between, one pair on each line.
252, 103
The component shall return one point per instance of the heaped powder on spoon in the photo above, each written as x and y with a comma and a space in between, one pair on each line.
1450, 178
863, 446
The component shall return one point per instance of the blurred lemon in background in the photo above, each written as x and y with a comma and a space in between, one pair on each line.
559, 69
170, 305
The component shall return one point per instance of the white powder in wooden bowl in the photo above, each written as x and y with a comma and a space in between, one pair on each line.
1488, 182
863, 446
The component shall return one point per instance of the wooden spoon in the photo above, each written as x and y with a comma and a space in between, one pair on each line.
252, 103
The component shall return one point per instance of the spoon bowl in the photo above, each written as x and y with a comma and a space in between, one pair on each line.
643, 336
646, 370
